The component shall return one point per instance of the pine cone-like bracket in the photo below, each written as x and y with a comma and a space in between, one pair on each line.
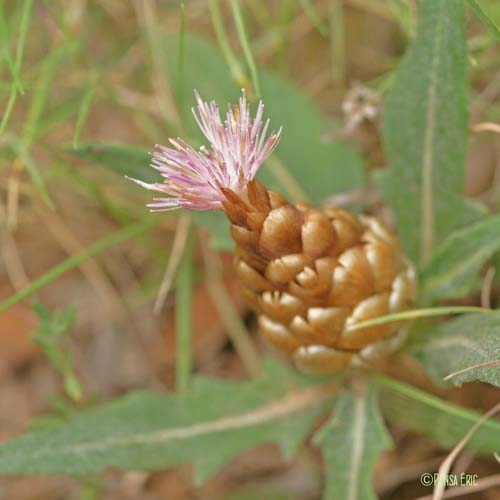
312, 274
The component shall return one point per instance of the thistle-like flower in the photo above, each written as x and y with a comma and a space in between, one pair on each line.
311, 274
196, 179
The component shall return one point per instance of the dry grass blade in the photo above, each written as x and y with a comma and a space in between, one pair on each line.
459, 491
445, 466
292, 187
148, 20
486, 127
233, 324
463, 463
13, 196
486, 288
487, 364
178, 246
10, 254
74, 260
91, 270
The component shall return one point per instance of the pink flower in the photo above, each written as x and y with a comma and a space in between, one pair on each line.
193, 178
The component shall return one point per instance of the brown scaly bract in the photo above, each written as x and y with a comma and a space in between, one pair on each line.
310, 273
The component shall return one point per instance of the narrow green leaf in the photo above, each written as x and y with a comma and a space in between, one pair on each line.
452, 269
425, 131
41, 94
208, 426
351, 442
180, 62
33, 170
245, 44
314, 17
84, 107
16, 83
447, 423
462, 344
39, 100
134, 162
225, 45
123, 159
21, 43
74, 261
487, 19
428, 312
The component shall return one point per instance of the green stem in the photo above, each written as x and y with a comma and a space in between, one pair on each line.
180, 65
21, 43
245, 44
420, 313
431, 401
225, 45
75, 260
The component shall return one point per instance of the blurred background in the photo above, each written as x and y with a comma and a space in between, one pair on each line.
87, 88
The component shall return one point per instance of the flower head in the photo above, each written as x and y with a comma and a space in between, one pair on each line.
194, 179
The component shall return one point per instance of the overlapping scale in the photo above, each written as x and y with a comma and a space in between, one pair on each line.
312, 274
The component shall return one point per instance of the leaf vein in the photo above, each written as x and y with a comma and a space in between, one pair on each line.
427, 208
358, 432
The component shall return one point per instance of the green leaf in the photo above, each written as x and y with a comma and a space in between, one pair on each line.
425, 132
351, 441
208, 426
120, 158
319, 169
465, 342
447, 423
428, 312
452, 269
134, 162
487, 19
51, 329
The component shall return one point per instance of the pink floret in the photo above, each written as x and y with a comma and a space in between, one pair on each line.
238, 147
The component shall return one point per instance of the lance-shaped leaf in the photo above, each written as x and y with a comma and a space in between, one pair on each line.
133, 161
468, 346
445, 422
351, 441
208, 426
452, 269
120, 158
425, 132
